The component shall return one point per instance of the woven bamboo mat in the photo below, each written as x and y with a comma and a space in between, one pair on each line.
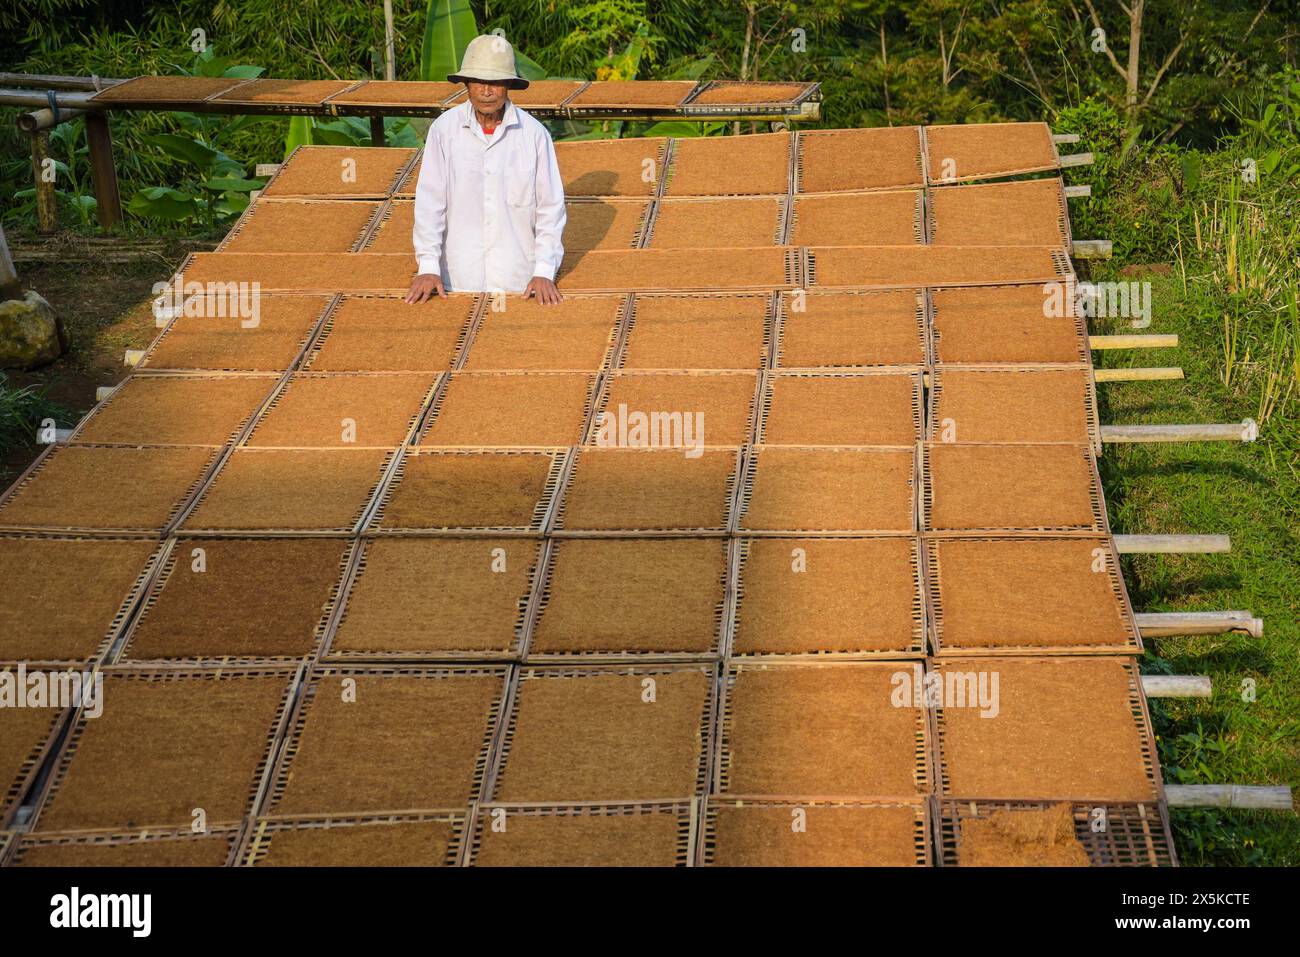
843, 160
583, 835
379, 334
270, 340
171, 741
515, 333
622, 167
814, 834
84, 589
828, 598
789, 489
238, 599
890, 218
602, 598
1023, 213
421, 598
730, 166
851, 329
648, 489
449, 715
1064, 727
606, 734
1007, 325
714, 331
301, 226
341, 172
851, 739
159, 410
1060, 595
986, 151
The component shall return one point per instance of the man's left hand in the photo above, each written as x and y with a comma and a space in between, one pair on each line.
544, 291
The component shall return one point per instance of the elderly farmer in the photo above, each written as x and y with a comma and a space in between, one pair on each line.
489, 207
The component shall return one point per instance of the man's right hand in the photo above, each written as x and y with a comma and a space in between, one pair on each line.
425, 286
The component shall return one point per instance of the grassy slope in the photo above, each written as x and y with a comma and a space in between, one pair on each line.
1250, 492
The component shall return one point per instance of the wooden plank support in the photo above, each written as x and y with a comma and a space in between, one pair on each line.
1154, 374
376, 129
1176, 686
1165, 624
1076, 159
1172, 544
1256, 797
1245, 431
108, 201
1059, 138
1091, 248
133, 357
1076, 192
104, 391
1160, 341
266, 169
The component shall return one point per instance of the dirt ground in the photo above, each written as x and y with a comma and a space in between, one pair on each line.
101, 291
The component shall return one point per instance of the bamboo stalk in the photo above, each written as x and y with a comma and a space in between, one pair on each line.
1154, 374
1076, 159
38, 120
1091, 248
1161, 341
52, 81
1176, 686
1264, 798
1059, 138
1172, 544
1245, 431
1075, 192
1163, 624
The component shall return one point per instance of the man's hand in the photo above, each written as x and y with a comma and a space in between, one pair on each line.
544, 291
426, 286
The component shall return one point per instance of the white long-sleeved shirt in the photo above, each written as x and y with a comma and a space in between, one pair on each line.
489, 210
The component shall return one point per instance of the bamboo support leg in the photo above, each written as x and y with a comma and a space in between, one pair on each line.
1172, 544
1161, 624
1229, 795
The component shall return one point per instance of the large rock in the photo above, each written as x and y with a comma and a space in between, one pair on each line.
29, 333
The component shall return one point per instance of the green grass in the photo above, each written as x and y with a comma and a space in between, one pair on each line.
1252, 493
22, 410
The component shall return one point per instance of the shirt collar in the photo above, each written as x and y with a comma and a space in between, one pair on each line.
509, 118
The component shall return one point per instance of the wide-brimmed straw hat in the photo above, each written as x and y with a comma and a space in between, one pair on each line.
490, 57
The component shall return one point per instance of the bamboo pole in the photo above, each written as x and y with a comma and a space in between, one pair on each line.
1165, 624
38, 120
1059, 138
53, 81
1172, 544
1092, 248
1245, 431
376, 129
47, 210
1263, 798
133, 357
1075, 192
1154, 374
1076, 159
1160, 341
1176, 686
